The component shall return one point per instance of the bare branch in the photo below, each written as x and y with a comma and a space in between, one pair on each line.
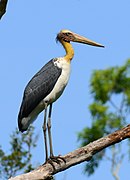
3, 4
116, 163
116, 169
114, 105
85, 153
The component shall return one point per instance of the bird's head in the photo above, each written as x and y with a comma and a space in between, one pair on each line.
67, 36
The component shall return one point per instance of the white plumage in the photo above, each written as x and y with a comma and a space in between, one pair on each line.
61, 82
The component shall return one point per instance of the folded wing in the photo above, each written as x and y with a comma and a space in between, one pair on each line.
38, 88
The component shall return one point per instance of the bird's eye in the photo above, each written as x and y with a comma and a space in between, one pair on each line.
67, 33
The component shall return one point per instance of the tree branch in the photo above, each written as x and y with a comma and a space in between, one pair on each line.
3, 4
85, 153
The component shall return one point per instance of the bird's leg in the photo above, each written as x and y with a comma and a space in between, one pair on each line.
49, 130
44, 132
52, 157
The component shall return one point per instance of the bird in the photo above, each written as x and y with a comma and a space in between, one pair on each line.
47, 85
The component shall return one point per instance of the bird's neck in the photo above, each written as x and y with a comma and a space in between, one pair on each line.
69, 51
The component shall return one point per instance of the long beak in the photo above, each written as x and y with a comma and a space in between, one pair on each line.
84, 40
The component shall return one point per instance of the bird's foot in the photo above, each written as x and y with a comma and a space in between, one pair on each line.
56, 159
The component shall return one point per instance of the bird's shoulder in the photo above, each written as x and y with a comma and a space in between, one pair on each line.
49, 72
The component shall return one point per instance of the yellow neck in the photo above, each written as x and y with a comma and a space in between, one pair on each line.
69, 50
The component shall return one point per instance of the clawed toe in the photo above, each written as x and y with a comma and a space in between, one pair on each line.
56, 159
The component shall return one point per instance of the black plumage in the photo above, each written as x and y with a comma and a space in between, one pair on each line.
38, 88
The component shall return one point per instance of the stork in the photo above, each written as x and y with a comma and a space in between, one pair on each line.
47, 85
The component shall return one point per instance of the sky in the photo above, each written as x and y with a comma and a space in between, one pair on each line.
27, 42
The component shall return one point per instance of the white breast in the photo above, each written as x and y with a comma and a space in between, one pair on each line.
61, 82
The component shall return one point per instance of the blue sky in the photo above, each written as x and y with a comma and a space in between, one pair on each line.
27, 42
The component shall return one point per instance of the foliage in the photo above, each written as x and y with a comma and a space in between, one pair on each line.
19, 158
110, 90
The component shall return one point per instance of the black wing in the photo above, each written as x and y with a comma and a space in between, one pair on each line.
39, 87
